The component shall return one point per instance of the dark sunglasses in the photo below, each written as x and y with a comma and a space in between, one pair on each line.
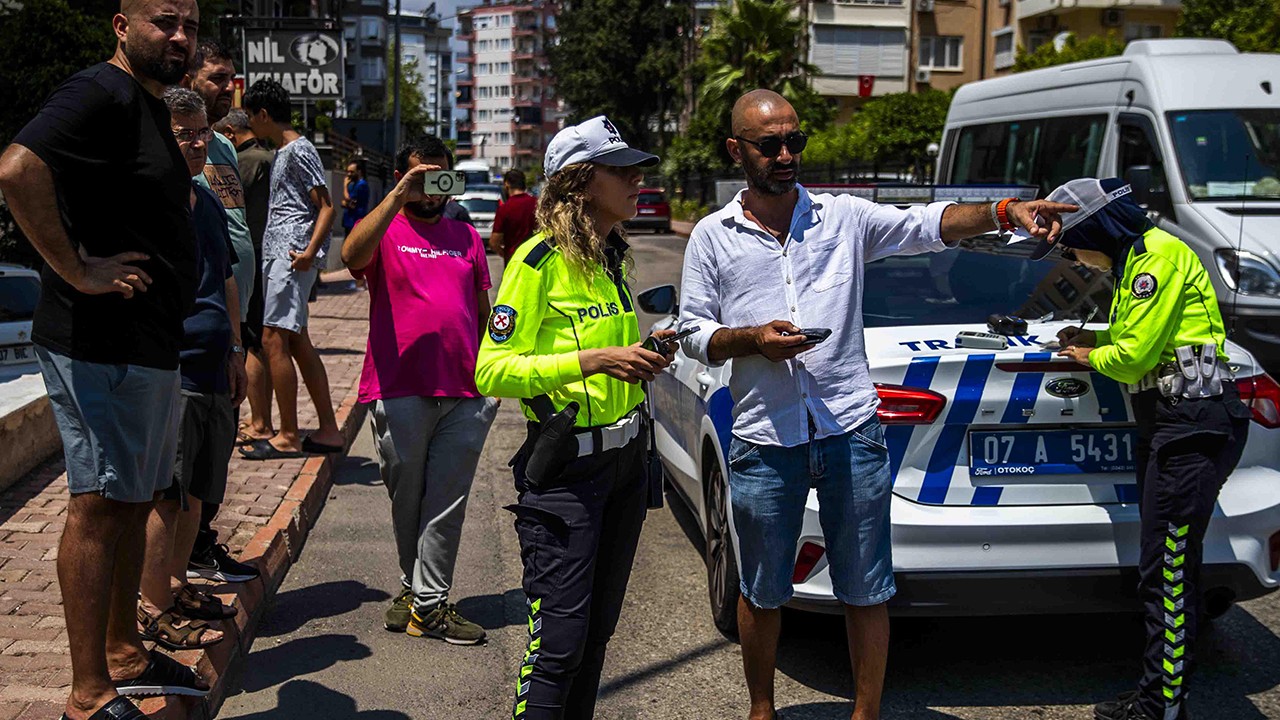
772, 145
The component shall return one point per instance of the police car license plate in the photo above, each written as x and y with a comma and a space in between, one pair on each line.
1013, 453
13, 354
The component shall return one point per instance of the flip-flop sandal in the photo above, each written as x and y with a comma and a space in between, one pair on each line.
163, 676
199, 605
173, 631
316, 448
264, 450
118, 709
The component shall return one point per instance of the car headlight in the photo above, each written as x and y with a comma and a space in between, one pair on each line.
1248, 274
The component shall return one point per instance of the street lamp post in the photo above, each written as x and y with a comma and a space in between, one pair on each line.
395, 85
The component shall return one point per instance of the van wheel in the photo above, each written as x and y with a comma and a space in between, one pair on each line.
722, 569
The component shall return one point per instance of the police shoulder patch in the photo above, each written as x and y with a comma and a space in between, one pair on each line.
502, 323
1144, 286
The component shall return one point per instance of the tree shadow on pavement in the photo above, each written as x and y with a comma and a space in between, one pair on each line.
276, 664
294, 608
303, 698
1017, 662
492, 612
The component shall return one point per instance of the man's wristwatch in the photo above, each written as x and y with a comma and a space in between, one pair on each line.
237, 349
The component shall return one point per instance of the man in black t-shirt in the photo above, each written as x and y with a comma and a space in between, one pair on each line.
98, 185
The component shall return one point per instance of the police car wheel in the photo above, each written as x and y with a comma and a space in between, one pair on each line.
722, 569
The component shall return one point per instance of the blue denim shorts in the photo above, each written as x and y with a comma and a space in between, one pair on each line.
119, 425
768, 488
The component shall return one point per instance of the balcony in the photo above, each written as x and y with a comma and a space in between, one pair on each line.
524, 79
465, 104
467, 81
466, 59
525, 31
465, 35
1033, 8
519, 55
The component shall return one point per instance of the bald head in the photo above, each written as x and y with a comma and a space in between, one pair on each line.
759, 108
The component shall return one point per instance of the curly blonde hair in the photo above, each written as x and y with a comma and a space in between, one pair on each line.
564, 214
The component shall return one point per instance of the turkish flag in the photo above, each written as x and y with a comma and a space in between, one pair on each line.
865, 84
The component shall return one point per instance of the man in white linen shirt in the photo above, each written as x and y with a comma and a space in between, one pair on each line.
772, 261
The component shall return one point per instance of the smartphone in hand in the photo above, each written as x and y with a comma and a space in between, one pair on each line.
666, 346
813, 336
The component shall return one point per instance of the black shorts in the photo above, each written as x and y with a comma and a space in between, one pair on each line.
206, 437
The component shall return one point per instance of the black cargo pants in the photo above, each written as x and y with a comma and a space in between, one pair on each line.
1186, 450
578, 535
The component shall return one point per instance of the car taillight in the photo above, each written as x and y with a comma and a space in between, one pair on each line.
1262, 395
810, 554
907, 405
1275, 551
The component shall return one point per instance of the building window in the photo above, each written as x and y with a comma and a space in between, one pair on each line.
504, 21
504, 44
504, 68
372, 70
1006, 52
842, 50
371, 29
941, 53
1142, 31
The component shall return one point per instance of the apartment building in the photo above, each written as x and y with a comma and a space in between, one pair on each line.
1040, 21
503, 83
862, 48
366, 30
424, 42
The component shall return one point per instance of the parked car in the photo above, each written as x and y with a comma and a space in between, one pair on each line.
652, 212
1013, 471
482, 206
19, 293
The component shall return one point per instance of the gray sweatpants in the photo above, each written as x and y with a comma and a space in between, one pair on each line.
428, 449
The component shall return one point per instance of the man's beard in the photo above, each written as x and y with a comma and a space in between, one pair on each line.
762, 181
154, 63
423, 211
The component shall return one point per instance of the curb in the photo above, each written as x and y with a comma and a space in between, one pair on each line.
274, 549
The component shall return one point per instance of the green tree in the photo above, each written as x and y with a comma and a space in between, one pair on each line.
415, 113
621, 58
1073, 50
752, 44
42, 43
893, 130
1252, 25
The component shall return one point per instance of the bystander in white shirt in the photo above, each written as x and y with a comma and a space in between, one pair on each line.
737, 275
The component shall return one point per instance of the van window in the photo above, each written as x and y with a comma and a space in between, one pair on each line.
1045, 152
1228, 154
1138, 147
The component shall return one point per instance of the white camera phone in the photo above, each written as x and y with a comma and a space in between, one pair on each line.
444, 182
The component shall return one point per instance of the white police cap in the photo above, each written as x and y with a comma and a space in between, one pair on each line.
596, 140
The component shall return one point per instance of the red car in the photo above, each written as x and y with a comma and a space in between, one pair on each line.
652, 212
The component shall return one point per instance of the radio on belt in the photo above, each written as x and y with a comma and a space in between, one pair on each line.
981, 340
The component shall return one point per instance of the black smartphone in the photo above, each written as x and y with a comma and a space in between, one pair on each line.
813, 336
651, 342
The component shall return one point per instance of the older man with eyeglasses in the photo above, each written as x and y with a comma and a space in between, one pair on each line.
801, 421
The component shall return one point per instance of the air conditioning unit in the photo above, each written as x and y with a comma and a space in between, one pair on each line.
924, 6
1112, 17
923, 75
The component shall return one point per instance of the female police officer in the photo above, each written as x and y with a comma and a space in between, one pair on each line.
1166, 341
563, 337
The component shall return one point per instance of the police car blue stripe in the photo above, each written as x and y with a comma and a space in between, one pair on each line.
1110, 396
942, 463
1026, 389
898, 437
1127, 493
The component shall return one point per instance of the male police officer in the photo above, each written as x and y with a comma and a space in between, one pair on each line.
1167, 341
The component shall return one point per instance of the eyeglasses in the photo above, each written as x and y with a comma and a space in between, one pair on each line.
772, 145
187, 136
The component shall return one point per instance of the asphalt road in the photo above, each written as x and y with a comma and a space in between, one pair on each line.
322, 653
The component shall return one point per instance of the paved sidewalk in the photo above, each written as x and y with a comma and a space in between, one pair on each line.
269, 508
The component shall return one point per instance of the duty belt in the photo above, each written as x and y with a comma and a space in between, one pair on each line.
1194, 373
609, 437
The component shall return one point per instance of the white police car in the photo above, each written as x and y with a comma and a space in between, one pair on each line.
1013, 470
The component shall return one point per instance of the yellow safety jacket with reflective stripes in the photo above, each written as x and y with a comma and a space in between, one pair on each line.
1164, 301
545, 313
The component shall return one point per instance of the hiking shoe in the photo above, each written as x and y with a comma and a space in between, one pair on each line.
215, 563
397, 617
444, 622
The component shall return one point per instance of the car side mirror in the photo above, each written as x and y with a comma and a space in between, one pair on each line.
1141, 178
661, 300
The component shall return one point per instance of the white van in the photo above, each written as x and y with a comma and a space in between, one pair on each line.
1194, 125
478, 172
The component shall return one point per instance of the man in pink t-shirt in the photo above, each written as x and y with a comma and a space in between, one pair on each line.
428, 304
